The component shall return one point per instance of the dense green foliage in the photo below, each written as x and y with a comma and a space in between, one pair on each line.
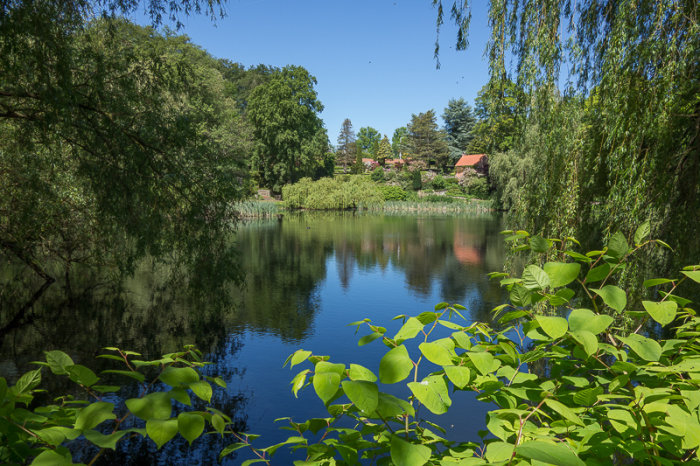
291, 141
368, 140
620, 140
343, 192
384, 151
425, 142
398, 141
94, 160
346, 145
459, 126
44, 433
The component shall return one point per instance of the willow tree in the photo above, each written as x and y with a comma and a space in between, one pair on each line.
632, 68
112, 137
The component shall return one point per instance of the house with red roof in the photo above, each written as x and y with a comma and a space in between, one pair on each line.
477, 162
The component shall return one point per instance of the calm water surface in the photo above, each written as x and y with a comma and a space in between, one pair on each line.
307, 277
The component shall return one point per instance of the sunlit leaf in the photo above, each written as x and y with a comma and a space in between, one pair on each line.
395, 366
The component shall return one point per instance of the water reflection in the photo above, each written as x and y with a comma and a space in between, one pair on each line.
286, 261
307, 276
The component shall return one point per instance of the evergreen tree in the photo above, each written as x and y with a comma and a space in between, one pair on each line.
459, 126
426, 142
384, 151
358, 167
346, 139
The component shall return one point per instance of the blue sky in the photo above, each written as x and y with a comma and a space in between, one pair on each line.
373, 59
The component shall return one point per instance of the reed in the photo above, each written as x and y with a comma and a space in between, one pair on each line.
258, 209
473, 206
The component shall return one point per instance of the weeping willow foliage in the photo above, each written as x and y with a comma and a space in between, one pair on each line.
609, 134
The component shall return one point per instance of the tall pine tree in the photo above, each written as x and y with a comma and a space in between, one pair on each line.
346, 139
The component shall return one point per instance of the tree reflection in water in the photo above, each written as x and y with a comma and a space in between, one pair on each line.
288, 264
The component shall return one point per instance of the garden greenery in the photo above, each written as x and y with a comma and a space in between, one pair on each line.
568, 366
342, 192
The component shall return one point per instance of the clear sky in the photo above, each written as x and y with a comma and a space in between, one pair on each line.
373, 59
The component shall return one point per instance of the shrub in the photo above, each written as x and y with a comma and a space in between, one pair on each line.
342, 192
377, 174
393, 193
438, 182
477, 187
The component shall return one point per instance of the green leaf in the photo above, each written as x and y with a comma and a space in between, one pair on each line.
484, 361
588, 340
564, 411
587, 396
534, 278
410, 329
297, 357
562, 273
433, 393
180, 395
190, 425
176, 376
520, 296
369, 338
102, 440
231, 448
58, 362
458, 375
53, 435
613, 296
587, 320
656, 281
52, 458
692, 274
408, 454
28, 381
550, 453
646, 348
617, 246
94, 414
539, 244
497, 452
664, 312
555, 327
390, 406
132, 374
82, 375
202, 389
358, 372
152, 406
218, 423
436, 353
364, 394
298, 381
642, 233
326, 385
597, 274
395, 366
161, 430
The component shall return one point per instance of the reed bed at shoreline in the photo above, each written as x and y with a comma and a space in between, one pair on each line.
264, 209
410, 207
259, 209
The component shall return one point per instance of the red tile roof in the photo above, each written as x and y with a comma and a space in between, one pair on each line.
469, 160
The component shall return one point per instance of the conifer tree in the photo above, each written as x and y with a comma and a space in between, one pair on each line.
346, 139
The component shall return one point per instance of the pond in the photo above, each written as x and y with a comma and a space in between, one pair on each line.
307, 277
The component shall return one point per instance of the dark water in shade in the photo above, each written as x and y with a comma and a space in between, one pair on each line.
307, 277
